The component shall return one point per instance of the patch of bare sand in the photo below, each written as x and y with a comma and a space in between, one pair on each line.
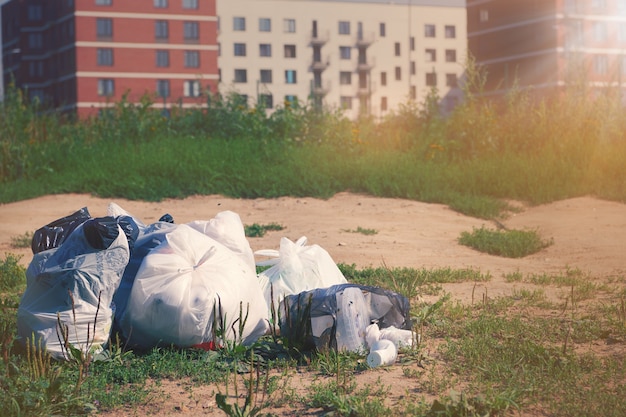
589, 235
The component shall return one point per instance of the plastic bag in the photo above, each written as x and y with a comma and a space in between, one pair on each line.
181, 284
54, 234
148, 237
295, 268
338, 317
75, 281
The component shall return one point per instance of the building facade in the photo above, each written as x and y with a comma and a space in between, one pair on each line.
548, 45
82, 55
362, 56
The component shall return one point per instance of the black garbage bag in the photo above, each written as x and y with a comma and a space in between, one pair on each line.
54, 234
337, 317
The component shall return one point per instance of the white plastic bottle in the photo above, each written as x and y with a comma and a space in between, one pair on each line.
383, 353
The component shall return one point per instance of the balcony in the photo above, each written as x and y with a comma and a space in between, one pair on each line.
318, 39
363, 40
365, 65
320, 64
320, 89
366, 91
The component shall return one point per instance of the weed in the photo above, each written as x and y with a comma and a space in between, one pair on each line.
22, 241
361, 230
12, 274
508, 243
258, 230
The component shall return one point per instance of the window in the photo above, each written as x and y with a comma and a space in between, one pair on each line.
35, 12
289, 25
35, 40
241, 100
104, 57
240, 49
163, 88
383, 78
483, 15
396, 48
429, 31
412, 68
398, 73
191, 31
291, 99
600, 64
290, 51
265, 24
192, 59
344, 52
431, 79
451, 80
239, 24
266, 100
36, 95
103, 2
106, 87
104, 27
383, 103
431, 55
599, 31
161, 29
450, 31
345, 78
35, 68
162, 58
191, 88
450, 55
344, 27
266, 76
413, 93
345, 102
382, 30
621, 33
290, 77
241, 76
265, 49
598, 4
412, 43
160, 4
190, 4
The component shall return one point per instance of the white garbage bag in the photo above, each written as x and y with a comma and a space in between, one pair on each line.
295, 268
179, 286
75, 281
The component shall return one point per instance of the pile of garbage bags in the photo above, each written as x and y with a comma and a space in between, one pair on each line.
192, 284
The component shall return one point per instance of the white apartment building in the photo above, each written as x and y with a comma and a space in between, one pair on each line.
363, 56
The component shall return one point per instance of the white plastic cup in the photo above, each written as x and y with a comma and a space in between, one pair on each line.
372, 334
383, 353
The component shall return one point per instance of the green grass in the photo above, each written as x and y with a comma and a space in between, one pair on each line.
473, 160
507, 243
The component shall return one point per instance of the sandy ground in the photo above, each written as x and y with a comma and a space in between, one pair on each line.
588, 234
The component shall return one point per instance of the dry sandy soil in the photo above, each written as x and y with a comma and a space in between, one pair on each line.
588, 234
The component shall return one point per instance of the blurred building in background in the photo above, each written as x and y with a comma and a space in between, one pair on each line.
361, 56
549, 45
80, 56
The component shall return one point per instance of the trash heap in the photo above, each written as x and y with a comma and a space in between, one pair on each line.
195, 284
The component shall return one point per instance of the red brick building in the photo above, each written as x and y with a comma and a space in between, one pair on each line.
81, 55
548, 44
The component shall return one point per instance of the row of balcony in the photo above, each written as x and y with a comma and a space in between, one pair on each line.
361, 39
322, 88
362, 65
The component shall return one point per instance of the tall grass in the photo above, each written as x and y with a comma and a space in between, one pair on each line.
533, 150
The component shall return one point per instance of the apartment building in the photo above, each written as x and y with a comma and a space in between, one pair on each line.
547, 45
362, 56
80, 56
